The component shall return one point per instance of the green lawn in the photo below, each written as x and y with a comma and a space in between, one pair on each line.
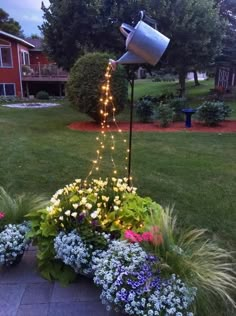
195, 172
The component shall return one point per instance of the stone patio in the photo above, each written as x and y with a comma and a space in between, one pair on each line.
24, 293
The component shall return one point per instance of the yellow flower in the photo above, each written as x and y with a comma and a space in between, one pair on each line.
83, 201
88, 206
105, 198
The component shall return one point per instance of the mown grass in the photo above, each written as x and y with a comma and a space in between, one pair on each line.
195, 172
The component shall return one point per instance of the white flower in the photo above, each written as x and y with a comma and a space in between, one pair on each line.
95, 214
61, 218
116, 208
67, 213
88, 206
74, 214
75, 205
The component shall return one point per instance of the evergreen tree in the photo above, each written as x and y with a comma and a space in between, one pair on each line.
9, 25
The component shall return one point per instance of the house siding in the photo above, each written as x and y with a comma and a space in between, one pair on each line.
11, 75
39, 57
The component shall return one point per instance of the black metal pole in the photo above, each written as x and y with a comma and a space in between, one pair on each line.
131, 124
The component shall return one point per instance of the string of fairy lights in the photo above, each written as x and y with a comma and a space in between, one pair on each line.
106, 139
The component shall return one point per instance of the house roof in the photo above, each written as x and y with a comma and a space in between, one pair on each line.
16, 38
37, 42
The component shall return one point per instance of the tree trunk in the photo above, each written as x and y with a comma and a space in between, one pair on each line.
197, 83
182, 78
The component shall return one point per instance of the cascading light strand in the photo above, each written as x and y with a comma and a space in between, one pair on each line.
107, 142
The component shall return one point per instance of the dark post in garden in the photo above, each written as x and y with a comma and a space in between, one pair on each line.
145, 45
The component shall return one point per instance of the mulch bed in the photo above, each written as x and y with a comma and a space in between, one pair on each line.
228, 126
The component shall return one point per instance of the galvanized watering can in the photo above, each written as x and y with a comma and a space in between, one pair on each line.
144, 44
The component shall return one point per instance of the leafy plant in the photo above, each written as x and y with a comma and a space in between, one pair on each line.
43, 232
16, 207
178, 104
145, 109
212, 113
85, 81
198, 261
42, 95
165, 115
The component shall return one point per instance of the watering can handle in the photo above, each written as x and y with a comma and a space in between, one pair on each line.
125, 27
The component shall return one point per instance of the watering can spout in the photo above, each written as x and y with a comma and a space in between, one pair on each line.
127, 58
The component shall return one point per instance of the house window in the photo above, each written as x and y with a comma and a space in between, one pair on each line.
7, 89
25, 58
5, 57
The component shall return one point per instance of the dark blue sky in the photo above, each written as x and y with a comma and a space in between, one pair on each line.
27, 12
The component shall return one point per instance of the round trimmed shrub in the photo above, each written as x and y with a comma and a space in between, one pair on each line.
212, 113
42, 95
178, 104
145, 109
86, 79
165, 115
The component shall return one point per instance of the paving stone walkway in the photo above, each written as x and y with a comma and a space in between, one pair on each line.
24, 293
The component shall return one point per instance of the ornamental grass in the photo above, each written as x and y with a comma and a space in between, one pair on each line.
200, 262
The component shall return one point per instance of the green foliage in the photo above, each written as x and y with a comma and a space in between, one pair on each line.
43, 231
197, 260
16, 207
73, 28
212, 113
164, 77
165, 115
134, 211
178, 105
9, 25
196, 31
85, 82
42, 95
145, 109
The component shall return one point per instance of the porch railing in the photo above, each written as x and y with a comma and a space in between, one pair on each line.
43, 71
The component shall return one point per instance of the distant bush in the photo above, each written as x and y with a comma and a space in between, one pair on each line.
165, 114
177, 105
42, 95
164, 77
145, 108
84, 85
212, 113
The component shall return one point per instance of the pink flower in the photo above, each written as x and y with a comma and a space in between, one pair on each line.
147, 236
132, 236
2, 215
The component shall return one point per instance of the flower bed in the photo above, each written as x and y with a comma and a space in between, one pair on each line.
132, 248
13, 242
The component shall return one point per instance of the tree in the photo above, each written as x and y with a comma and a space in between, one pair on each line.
195, 29
228, 12
72, 28
9, 25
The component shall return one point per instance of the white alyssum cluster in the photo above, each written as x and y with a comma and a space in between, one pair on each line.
13, 242
73, 251
119, 271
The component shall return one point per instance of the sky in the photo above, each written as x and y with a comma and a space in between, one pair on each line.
27, 12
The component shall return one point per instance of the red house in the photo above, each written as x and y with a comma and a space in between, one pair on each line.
26, 70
